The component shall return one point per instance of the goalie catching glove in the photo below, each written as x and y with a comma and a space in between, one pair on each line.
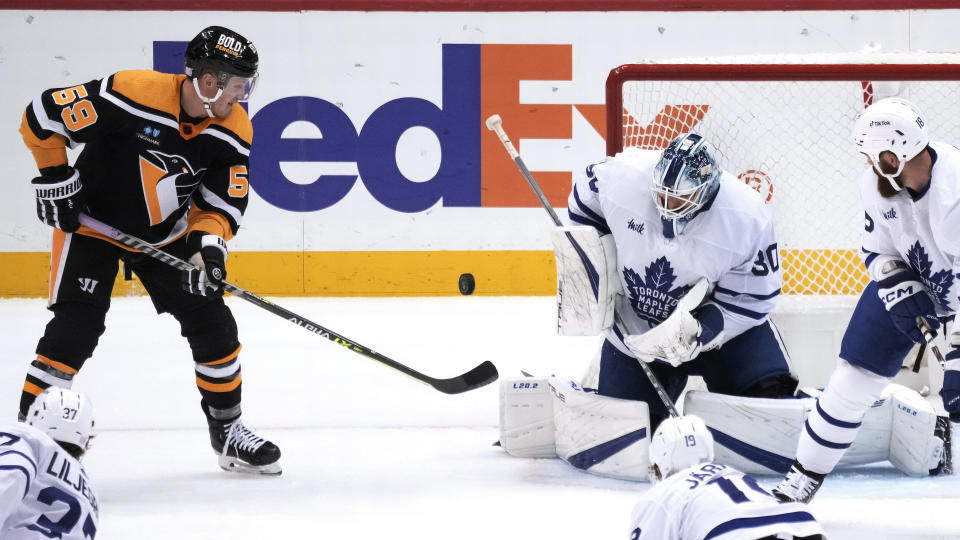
59, 198
688, 331
209, 257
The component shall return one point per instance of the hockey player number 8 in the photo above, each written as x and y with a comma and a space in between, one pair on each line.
79, 115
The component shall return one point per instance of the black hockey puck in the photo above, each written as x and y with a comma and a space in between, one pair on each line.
467, 284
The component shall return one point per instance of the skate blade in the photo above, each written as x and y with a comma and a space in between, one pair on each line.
231, 464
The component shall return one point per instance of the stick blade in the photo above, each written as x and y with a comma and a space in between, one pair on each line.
477, 377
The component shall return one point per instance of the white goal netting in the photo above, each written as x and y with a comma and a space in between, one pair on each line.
786, 125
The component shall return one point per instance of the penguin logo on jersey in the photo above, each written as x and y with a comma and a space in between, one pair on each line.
937, 283
652, 295
168, 181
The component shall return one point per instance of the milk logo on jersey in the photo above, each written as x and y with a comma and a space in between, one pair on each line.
938, 283
635, 227
168, 180
652, 295
889, 214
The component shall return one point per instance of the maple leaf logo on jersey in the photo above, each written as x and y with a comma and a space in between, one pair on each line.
938, 283
168, 181
651, 296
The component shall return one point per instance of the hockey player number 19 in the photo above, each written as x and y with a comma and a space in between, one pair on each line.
79, 115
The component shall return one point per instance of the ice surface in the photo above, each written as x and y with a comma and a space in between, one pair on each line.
367, 452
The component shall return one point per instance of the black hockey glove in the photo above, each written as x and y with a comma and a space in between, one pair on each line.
59, 199
209, 256
906, 300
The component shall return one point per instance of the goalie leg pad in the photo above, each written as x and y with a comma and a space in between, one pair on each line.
754, 435
913, 447
601, 435
526, 418
760, 435
581, 310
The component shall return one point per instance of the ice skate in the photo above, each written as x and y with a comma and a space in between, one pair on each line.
240, 449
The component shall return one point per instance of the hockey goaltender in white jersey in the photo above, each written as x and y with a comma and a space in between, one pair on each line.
45, 491
675, 218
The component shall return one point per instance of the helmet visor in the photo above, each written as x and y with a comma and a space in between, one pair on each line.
677, 203
241, 87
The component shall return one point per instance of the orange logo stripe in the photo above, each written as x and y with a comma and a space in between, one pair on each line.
221, 387
150, 176
31, 388
59, 365
225, 359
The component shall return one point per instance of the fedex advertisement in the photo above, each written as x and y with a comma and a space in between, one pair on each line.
370, 149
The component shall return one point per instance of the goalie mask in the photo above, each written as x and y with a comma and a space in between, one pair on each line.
684, 180
230, 57
890, 125
678, 443
66, 416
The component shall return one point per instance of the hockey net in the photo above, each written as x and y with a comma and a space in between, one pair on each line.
785, 129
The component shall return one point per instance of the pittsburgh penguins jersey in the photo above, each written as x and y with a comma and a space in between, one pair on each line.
919, 228
731, 242
146, 168
44, 491
711, 500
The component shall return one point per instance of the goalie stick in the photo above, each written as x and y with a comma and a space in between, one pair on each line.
483, 374
495, 124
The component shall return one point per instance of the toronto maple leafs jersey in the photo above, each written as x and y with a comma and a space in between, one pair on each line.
146, 169
921, 231
44, 491
711, 500
731, 242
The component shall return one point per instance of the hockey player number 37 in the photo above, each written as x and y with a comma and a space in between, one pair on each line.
50, 495
79, 115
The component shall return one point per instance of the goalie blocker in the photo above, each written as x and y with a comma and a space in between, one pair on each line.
587, 280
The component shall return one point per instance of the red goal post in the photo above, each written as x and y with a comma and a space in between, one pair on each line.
784, 127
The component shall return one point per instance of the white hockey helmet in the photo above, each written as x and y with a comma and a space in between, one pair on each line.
684, 180
66, 416
891, 125
679, 443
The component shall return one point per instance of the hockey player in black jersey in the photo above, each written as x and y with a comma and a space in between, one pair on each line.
165, 158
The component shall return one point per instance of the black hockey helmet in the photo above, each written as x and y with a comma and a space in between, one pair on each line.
222, 52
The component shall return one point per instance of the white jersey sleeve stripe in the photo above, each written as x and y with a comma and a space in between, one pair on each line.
587, 216
28, 459
729, 292
760, 521
739, 310
25, 472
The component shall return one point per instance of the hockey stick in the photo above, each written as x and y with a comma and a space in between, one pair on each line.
928, 334
495, 124
483, 374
